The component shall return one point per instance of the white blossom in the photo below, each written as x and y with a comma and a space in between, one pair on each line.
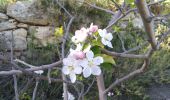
79, 53
39, 72
106, 37
93, 28
91, 65
80, 35
70, 96
110, 94
71, 68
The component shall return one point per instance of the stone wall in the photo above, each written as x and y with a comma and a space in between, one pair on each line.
25, 22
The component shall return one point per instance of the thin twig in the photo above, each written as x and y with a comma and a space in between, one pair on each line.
35, 89
48, 75
136, 48
88, 89
63, 47
122, 43
100, 8
14, 76
130, 75
115, 54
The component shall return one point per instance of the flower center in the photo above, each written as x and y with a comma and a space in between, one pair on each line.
91, 64
106, 37
71, 68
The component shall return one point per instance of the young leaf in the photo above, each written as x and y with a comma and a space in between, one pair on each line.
107, 59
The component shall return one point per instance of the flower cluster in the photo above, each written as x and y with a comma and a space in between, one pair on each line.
82, 60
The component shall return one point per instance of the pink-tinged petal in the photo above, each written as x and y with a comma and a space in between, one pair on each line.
101, 33
65, 70
96, 70
98, 60
109, 44
79, 55
109, 36
72, 77
87, 72
104, 41
84, 63
93, 28
89, 55
77, 70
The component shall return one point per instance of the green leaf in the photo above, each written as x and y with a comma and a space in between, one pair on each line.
129, 1
97, 43
107, 59
107, 66
96, 50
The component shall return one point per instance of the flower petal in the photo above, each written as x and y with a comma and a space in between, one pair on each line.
77, 70
109, 44
90, 55
84, 63
109, 36
72, 77
104, 41
101, 33
96, 70
79, 47
67, 62
87, 72
98, 60
74, 39
39, 72
65, 70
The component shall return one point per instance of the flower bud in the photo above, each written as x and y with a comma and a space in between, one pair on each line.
79, 55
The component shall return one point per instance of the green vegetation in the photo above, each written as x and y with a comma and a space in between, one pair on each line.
158, 72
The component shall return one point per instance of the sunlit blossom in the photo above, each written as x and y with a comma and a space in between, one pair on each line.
71, 68
79, 53
106, 37
93, 28
80, 35
91, 65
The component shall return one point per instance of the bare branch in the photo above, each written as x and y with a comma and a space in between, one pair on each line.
118, 16
48, 75
35, 89
88, 89
130, 75
94, 6
148, 23
115, 54
136, 48
11, 72
101, 87
14, 76
122, 43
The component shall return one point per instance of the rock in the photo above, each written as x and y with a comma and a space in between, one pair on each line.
25, 12
6, 36
7, 25
3, 16
137, 22
22, 25
43, 35
129, 16
20, 42
19, 35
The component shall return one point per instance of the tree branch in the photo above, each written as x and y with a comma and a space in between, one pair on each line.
148, 23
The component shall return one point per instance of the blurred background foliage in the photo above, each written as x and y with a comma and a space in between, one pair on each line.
158, 72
